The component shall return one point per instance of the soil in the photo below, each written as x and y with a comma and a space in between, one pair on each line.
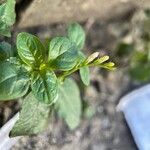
7, 111
107, 129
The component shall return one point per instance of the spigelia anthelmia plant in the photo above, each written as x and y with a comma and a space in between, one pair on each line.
41, 76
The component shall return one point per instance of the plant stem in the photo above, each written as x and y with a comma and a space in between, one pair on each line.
67, 73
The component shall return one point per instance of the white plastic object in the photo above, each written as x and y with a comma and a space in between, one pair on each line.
136, 109
5, 142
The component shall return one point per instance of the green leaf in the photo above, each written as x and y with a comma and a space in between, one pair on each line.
14, 81
81, 58
77, 35
85, 75
5, 51
30, 49
4, 28
67, 60
7, 17
69, 103
33, 117
44, 86
2, 9
9, 13
84, 71
58, 46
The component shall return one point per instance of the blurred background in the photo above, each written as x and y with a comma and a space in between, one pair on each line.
119, 28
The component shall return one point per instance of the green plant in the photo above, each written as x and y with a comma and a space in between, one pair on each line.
40, 76
137, 51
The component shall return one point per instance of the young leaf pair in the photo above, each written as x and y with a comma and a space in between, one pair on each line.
62, 56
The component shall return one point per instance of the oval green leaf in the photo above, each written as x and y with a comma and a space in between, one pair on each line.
14, 81
77, 35
7, 17
5, 51
30, 49
66, 61
58, 46
44, 86
85, 75
69, 103
33, 117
